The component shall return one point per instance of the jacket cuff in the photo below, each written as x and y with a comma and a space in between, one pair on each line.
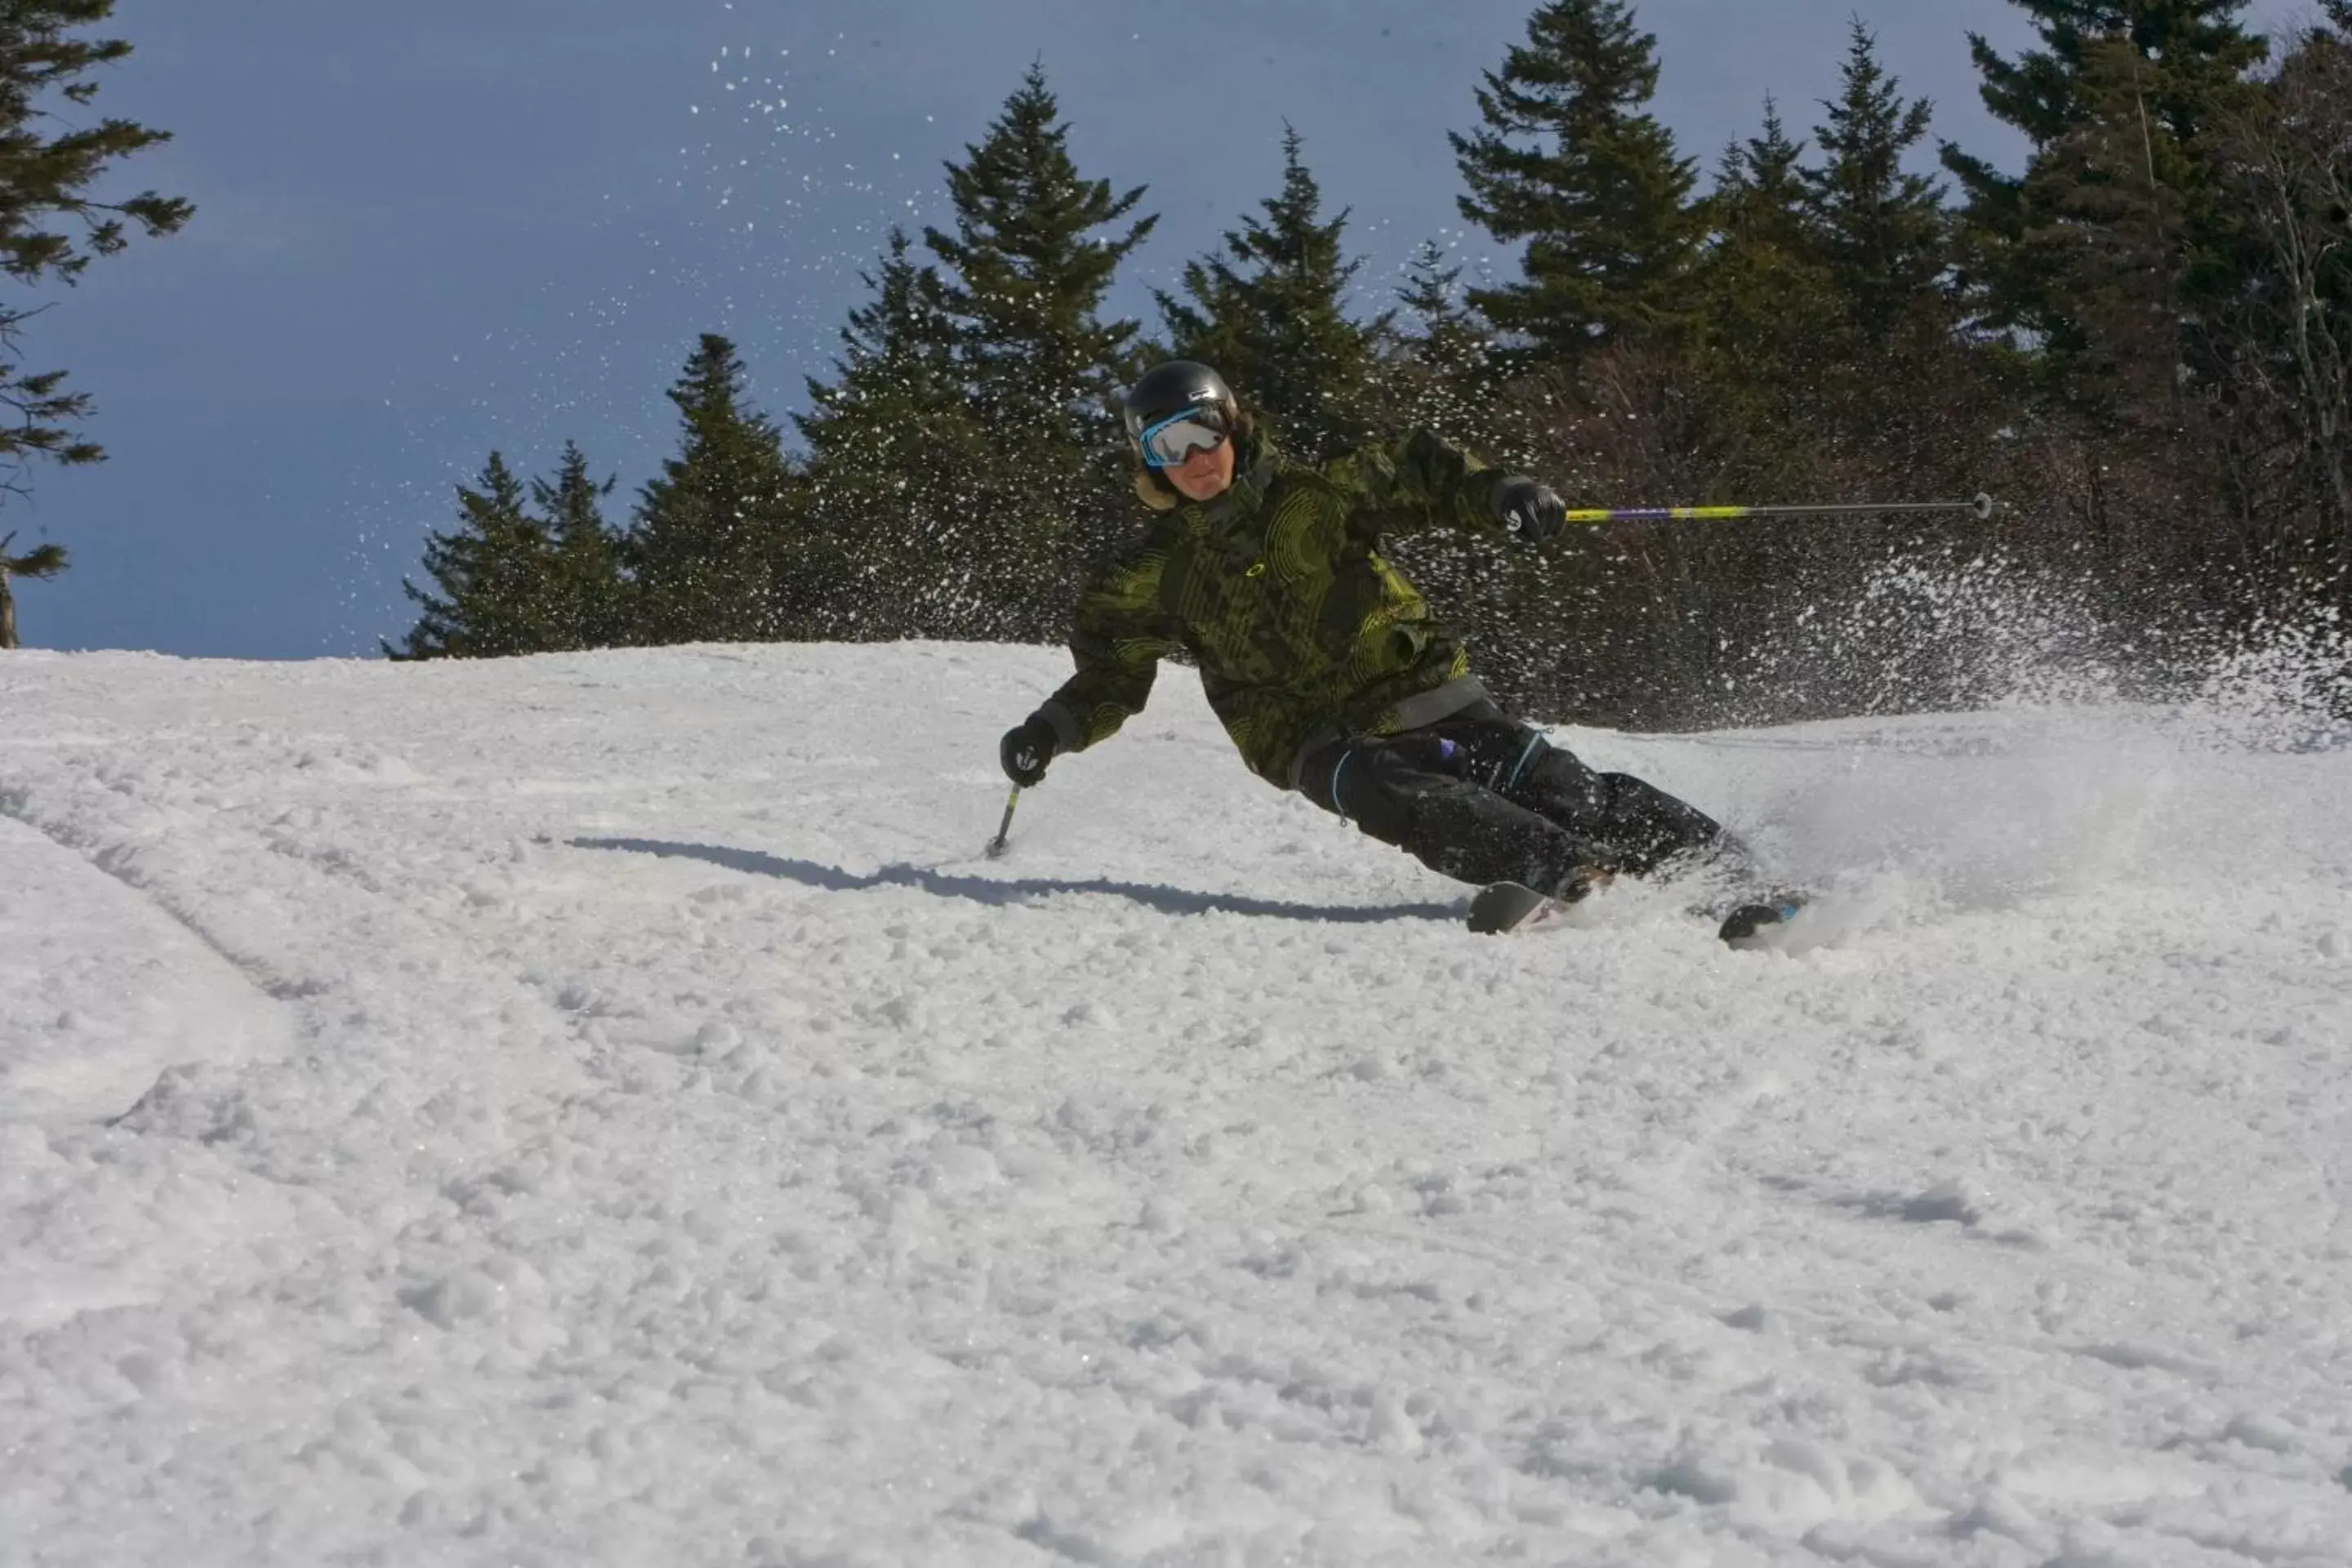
1489, 483
1067, 737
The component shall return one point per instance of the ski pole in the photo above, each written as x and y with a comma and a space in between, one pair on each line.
1984, 508
997, 844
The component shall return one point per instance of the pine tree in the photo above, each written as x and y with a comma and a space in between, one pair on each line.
1759, 192
1023, 278
43, 179
2196, 50
2117, 104
896, 378
1444, 361
1762, 286
1025, 281
1431, 296
1602, 198
1883, 231
894, 454
1767, 314
1271, 316
2107, 245
493, 572
711, 543
582, 607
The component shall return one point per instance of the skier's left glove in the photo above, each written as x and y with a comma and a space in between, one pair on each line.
1528, 508
1026, 748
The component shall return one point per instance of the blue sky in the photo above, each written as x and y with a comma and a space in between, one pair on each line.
431, 230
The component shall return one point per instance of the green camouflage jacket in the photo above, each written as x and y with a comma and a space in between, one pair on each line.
1275, 589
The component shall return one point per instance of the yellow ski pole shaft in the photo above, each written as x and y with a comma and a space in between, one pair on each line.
1983, 508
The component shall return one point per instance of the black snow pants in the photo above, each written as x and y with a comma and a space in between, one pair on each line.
1483, 797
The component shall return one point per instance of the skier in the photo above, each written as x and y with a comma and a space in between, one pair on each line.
1327, 667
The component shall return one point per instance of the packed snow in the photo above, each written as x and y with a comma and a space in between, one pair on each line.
606, 1108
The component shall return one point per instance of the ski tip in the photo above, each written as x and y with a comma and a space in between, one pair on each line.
1501, 907
1750, 925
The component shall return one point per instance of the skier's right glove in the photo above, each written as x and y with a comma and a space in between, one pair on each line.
1530, 509
1025, 751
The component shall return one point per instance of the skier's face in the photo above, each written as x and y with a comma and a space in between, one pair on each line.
1204, 475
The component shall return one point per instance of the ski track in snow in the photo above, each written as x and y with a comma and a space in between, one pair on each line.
604, 1109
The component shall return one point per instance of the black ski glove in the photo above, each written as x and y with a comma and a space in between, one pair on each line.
1025, 751
1531, 509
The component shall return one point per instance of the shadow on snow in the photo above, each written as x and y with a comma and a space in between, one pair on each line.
1000, 893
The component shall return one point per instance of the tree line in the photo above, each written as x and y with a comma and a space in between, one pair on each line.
2142, 340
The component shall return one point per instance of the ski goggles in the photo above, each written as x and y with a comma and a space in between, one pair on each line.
1169, 441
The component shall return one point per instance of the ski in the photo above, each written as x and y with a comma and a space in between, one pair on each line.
1751, 926
1501, 907
1504, 907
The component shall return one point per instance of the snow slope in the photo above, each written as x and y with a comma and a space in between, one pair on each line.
604, 1109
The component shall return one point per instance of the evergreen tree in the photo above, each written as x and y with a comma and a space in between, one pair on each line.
2108, 247
896, 378
894, 455
1026, 280
1602, 198
493, 572
1025, 275
2117, 104
711, 546
1443, 364
44, 179
1271, 315
36, 565
584, 586
1767, 311
2196, 51
1762, 285
1759, 192
1882, 231
1431, 296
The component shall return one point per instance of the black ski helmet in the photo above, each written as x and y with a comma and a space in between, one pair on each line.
1172, 387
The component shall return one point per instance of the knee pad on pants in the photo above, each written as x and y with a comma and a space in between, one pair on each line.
1375, 783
